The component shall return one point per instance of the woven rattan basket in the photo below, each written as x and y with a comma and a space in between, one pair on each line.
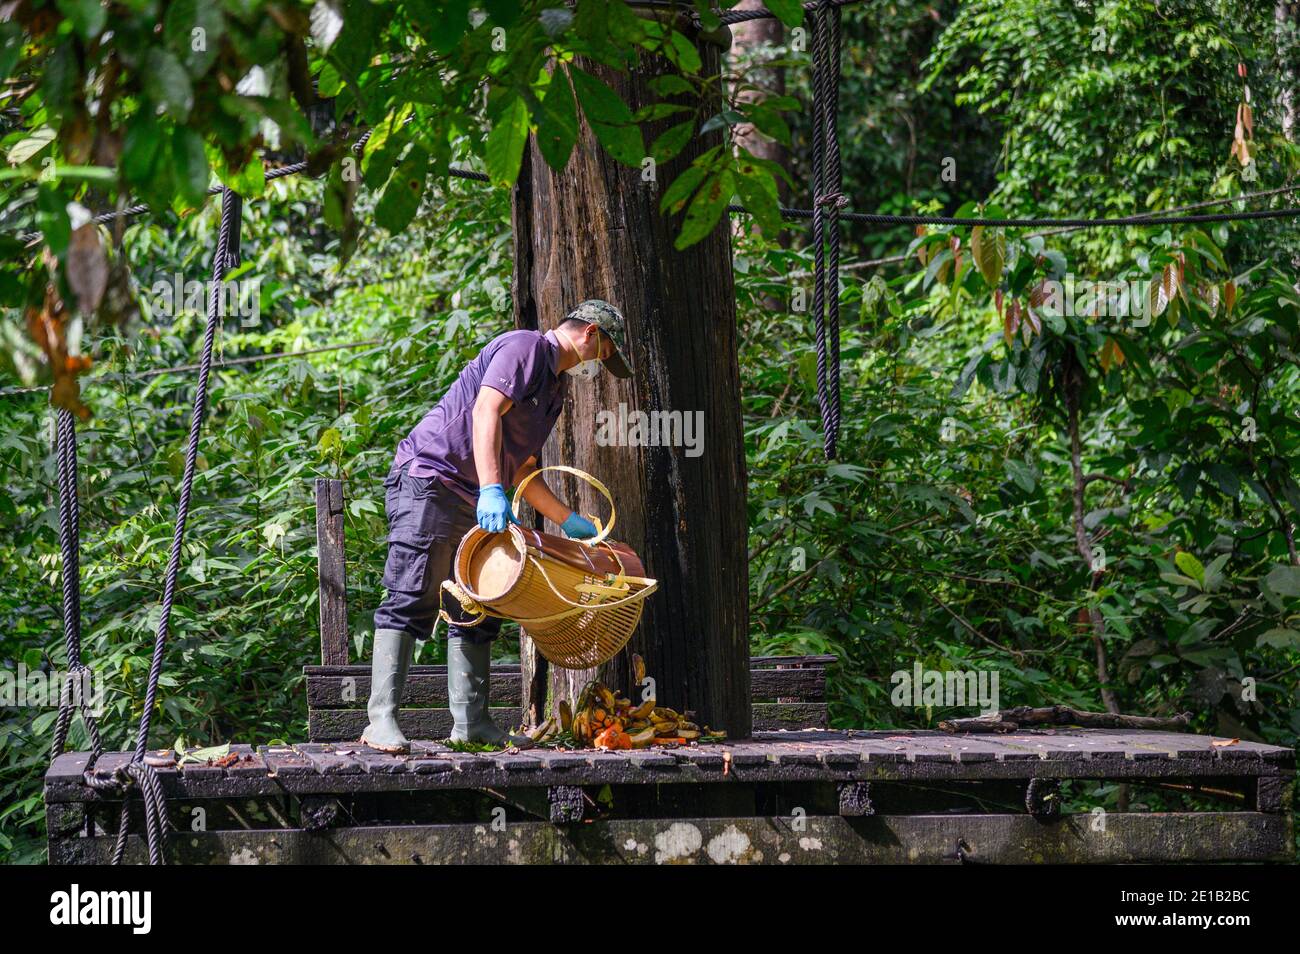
578, 601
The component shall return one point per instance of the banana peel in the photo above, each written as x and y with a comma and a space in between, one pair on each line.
566, 716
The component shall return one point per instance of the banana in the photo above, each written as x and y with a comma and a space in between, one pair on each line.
641, 740
688, 734
664, 712
541, 731
606, 697
665, 728
638, 669
566, 716
644, 710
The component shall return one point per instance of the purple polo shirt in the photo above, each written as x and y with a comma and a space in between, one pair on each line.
522, 366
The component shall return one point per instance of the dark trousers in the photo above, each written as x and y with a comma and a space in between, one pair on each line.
426, 520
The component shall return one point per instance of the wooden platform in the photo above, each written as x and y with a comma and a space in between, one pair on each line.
863, 796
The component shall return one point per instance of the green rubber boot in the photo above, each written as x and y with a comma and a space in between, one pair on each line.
469, 676
393, 651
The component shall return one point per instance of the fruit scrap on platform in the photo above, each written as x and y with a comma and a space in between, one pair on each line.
609, 721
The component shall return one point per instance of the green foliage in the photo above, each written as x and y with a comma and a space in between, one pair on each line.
946, 536
96, 117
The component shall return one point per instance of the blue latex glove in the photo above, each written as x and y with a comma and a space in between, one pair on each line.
578, 527
494, 509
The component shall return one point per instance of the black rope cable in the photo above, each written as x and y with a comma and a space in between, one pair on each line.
225, 259
138, 771
827, 201
69, 547
833, 199
817, 134
870, 218
866, 218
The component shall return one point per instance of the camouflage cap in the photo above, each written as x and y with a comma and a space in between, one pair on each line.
609, 320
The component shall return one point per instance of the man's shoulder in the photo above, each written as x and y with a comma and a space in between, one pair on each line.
520, 339
516, 362
526, 347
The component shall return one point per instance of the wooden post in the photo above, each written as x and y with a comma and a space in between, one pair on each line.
333, 575
595, 231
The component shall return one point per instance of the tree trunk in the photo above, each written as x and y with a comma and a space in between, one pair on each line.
595, 231
1073, 396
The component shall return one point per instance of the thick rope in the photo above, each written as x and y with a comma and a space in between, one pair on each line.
69, 546
833, 200
827, 201
137, 771
866, 218
226, 258
871, 218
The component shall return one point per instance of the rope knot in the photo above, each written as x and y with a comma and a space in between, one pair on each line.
837, 199
225, 263
119, 780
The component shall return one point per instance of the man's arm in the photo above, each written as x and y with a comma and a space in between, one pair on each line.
539, 496
488, 408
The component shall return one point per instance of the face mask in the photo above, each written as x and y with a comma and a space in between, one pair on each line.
585, 370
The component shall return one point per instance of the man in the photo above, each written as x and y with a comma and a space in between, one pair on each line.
451, 472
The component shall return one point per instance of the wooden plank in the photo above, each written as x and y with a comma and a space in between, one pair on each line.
519, 763
789, 715
1026, 746
330, 759
348, 687
761, 662
499, 669
654, 759
558, 760
197, 771
797, 685
1273, 794
426, 688
704, 758
333, 588
1146, 838
757, 664
346, 725
374, 762
250, 764
283, 762
1066, 746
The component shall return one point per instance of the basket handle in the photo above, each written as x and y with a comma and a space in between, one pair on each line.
613, 511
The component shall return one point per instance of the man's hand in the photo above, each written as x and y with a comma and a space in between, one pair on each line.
578, 527
493, 509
